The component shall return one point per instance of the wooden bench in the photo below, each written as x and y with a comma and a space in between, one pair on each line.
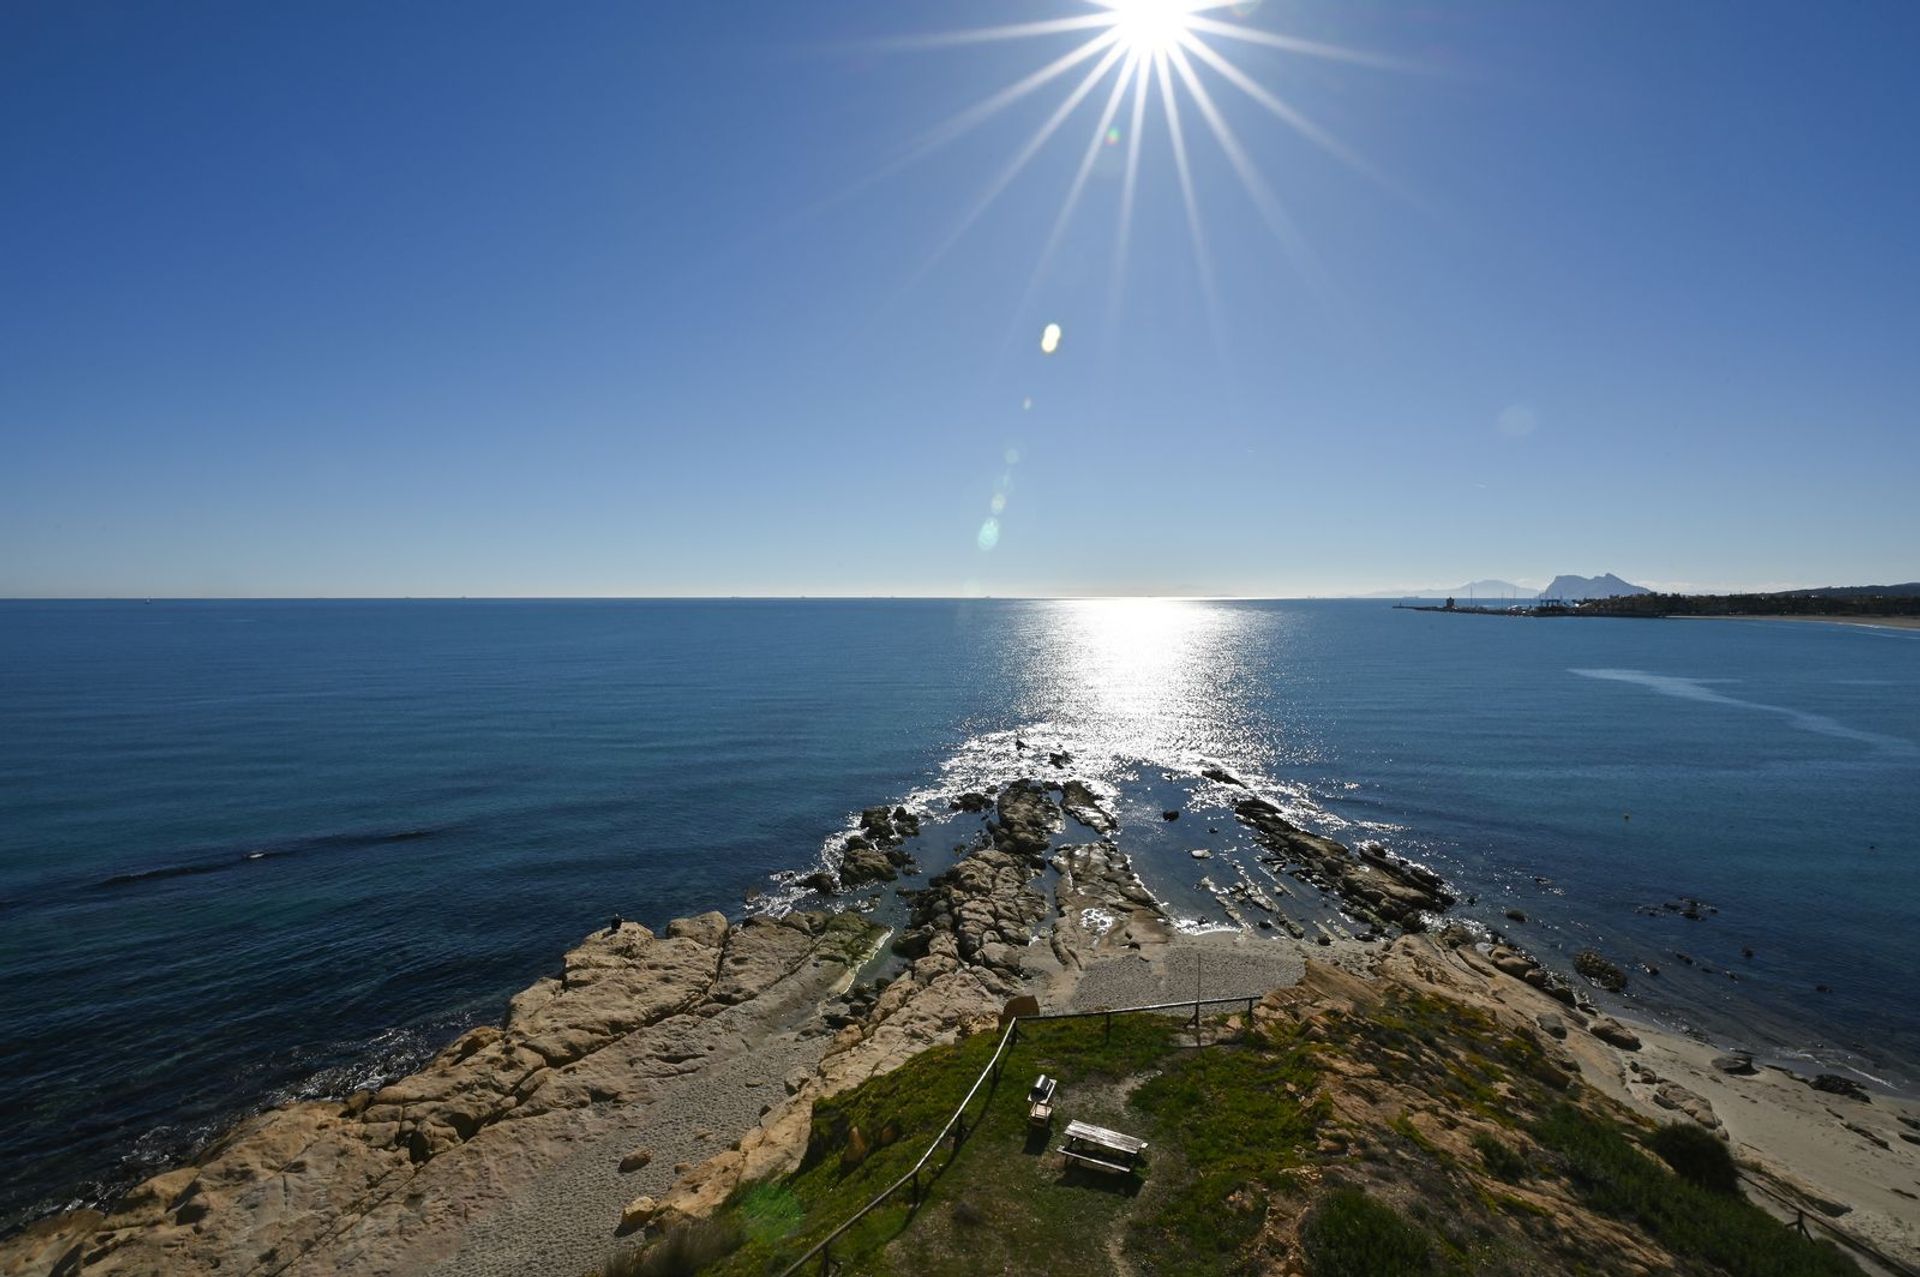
1102, 1149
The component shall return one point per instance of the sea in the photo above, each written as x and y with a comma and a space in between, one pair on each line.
260, 850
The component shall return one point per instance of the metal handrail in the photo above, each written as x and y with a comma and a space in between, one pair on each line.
822, 1248
1845, 1237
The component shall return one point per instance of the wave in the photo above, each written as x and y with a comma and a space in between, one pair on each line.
228, 861
1697, 689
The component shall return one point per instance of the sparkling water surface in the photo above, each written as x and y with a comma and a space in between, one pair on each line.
250, 850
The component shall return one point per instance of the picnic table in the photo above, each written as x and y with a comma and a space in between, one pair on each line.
1102, 1149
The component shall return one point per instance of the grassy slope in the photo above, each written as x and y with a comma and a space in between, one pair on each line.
1332, 1142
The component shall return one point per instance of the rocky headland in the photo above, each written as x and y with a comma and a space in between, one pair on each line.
658, 1073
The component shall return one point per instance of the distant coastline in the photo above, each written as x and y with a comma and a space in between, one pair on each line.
1871, 622
1892, 606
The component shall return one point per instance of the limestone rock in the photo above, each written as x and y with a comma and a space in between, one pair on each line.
1027, 819
1614, 1033
1084, 806
376, 1183
1372, 881
1671, 1095
709, 929
638, 1214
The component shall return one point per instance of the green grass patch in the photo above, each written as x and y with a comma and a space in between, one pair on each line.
1500, 1158
1352, 1235
1232, 1118
866, 1138
1616, 1178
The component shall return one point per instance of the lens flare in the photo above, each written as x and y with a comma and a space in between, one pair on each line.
989, 534
1130, 48
1049, 339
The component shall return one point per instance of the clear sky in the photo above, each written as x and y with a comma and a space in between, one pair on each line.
639, 298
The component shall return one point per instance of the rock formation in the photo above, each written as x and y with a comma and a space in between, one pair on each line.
381, 1182
1376, 886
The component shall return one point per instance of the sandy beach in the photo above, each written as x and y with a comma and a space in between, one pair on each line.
1870, 622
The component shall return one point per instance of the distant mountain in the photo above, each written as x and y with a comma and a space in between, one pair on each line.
1472, 589
1607, 586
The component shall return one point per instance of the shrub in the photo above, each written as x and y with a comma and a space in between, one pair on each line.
1500, 1159
1352, 1235
1725, 1230
1696, 1155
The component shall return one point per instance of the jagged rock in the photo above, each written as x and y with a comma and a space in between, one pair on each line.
877, 827
862, 862
1027, 819
1602, 972
638, 1214
1736, 1065
1552, 1025
1084, 806
1614, 1033
1374, 883
986, 899
1101, 903
1835, 1084
709, 929
1223, 776
971, 802
358, 1186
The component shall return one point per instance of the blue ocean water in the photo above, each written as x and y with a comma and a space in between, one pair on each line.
250, 850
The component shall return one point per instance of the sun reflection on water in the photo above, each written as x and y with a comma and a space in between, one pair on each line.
1157, 681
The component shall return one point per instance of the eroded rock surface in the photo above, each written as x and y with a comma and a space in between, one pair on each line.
1027, 818
1102, 904
385, 1182
968, 933
1081, 803
1376, 886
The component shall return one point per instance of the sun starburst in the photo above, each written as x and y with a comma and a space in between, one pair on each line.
1148, 55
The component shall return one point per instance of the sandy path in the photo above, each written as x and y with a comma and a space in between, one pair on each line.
1229, 965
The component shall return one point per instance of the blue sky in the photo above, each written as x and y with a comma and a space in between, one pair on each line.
366, 299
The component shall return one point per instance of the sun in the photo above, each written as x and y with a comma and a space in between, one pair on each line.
1150, 28
1133, 59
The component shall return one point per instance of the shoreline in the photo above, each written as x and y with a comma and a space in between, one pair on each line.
660, 1072
1867, 622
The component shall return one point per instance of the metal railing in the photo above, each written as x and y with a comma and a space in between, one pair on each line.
1845, 1238
956, 1127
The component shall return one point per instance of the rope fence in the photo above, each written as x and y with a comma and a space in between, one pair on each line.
956, 1127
